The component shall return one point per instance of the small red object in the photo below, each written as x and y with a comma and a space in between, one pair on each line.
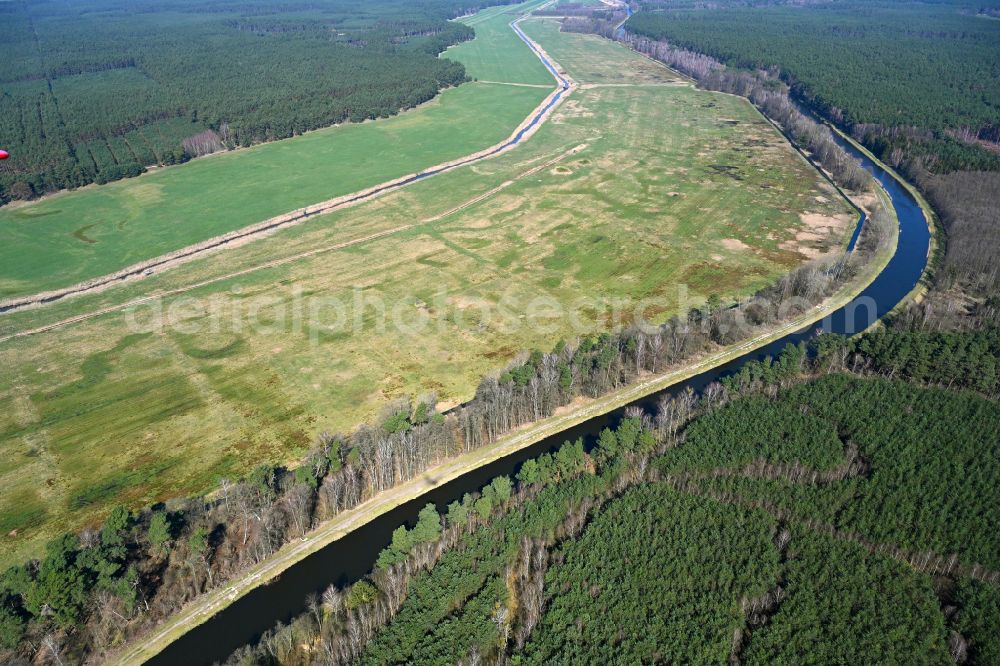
4, 154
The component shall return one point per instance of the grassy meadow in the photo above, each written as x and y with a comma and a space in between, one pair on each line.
670, 185
496, 54
74, 236
575, 52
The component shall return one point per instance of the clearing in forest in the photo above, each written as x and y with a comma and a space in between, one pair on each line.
627, 192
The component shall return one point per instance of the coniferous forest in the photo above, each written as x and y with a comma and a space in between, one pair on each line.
98, 90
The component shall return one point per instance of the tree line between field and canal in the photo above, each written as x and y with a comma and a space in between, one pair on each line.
765, 92
101, 89
806, 492
94, 590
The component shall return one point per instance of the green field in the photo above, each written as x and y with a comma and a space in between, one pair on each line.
74, 236
496, 54
670, 186
575, 52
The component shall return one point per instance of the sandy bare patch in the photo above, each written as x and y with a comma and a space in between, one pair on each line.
463, 302
571, 406
819, 220
734, 244
507, 204
866, 200
473, 223
445, 405
572, 108
804, 250
24, 411
816, 238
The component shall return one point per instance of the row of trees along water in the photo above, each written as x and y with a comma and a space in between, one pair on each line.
98, 90
764, 91
568, 561
145, 566
176, 552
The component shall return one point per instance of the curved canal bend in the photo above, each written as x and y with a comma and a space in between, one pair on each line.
351, 557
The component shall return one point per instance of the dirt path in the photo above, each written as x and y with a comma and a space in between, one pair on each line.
668, 84
204, 283
524, 131
504, 185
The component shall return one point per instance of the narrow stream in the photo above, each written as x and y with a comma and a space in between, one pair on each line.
350, 558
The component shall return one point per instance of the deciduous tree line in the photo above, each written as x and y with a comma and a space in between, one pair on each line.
505, 591
891, 76
967, 279
482, 549
906, 78
763, 89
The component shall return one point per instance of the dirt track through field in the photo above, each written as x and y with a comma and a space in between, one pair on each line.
504, 185
539, 115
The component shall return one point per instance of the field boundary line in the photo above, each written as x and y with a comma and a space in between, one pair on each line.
663, 84
204, 608
204, 283
504, 185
